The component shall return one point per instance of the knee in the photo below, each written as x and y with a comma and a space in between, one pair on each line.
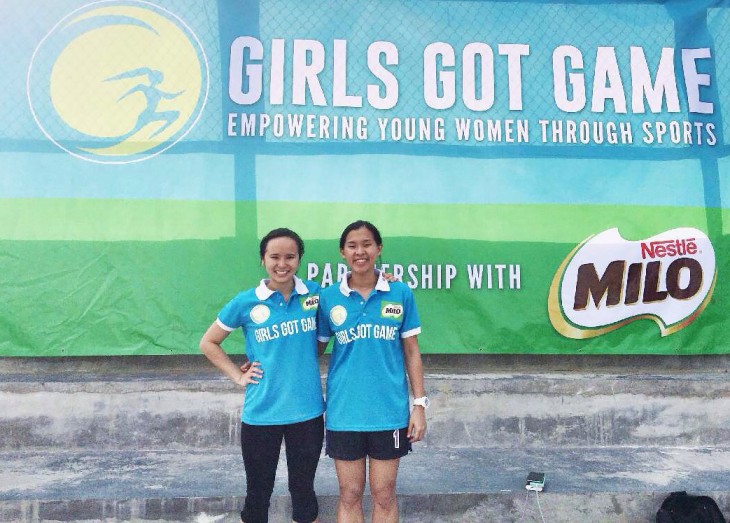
384, 495
351, 493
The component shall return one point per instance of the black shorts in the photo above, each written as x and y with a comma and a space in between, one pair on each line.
383, 444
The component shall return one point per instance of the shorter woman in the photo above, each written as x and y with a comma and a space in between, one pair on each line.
375, 326
283, 388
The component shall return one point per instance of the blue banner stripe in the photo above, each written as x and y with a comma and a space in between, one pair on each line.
169, 177
416, 179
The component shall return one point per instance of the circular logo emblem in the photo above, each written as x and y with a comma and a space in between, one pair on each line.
338, 315
260, 313
118, 81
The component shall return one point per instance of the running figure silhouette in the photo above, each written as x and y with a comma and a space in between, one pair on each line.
153, 95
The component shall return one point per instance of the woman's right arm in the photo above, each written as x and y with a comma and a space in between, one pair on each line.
210, 345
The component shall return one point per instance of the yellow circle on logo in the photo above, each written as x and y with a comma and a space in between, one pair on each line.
128, 79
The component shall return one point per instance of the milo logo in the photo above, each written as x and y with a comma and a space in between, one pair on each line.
391, 310
608, 282
309, 302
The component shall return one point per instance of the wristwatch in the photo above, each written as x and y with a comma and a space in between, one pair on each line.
423, 401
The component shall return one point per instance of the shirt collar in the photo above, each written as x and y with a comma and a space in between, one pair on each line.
264, 293
380, 285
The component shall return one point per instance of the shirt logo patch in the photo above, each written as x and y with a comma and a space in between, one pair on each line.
260, 313
338, 315
391, 310
309, 303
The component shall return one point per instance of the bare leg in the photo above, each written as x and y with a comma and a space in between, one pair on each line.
351, 478
383, 474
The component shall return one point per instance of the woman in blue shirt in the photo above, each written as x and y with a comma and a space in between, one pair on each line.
375, 327
283, 389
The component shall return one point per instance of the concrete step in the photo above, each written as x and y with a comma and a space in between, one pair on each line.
495, 409
435, 484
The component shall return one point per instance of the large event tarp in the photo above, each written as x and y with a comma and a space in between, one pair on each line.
549, 177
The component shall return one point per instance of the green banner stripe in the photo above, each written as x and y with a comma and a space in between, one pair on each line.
725, 221
115, 220
91, 288
517, 223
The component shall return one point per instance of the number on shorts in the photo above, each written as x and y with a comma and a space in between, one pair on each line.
396, 438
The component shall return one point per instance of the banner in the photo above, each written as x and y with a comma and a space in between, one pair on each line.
548, 177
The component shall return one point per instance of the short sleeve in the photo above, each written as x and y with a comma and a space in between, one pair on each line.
324, 331
411, 322
231, 315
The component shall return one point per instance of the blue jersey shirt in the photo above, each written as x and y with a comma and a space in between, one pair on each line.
283, 337
367, 388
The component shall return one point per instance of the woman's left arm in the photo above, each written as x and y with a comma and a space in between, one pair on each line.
414, 368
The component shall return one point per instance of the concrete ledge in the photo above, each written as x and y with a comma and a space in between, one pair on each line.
579, 409
77, 368
478, 409
453, 508
435, 484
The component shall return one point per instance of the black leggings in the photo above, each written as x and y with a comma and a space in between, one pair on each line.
260, 446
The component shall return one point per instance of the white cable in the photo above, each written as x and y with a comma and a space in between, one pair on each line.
524, 506
537, 497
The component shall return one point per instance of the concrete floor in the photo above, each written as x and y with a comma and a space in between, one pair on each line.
155, 440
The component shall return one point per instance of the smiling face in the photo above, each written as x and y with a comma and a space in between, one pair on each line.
281, 261
361, 250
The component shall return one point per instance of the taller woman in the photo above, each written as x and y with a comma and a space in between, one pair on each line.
283, 387
375, 327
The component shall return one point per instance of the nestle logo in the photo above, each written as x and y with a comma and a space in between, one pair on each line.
663, 248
